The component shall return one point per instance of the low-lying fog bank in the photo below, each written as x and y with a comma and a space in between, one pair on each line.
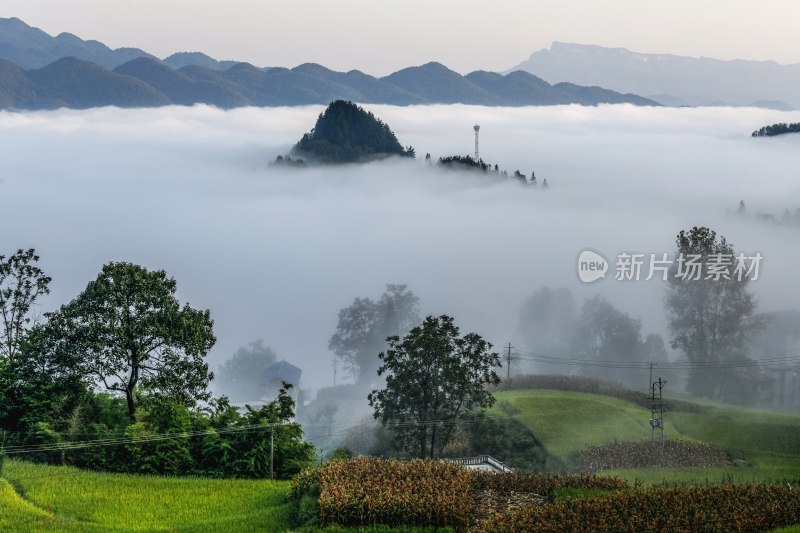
276, 252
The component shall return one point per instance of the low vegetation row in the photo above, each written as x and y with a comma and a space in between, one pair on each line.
654, 454
712, 509
422, 492
368, 492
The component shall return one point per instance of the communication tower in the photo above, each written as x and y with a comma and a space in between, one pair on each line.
477, 129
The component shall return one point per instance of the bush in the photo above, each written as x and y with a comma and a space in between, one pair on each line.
363, 492
304, 497
391, 492
713, 509
654, 454
494, 494
544, 485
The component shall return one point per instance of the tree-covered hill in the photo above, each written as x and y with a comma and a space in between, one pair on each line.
437, 83
518, 88
777, 129
31, 48
346, 133
593, 95
15, 86
76, 83
178, 86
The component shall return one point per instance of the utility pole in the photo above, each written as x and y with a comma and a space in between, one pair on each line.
508, 362
334, 370
272, 452
656, 406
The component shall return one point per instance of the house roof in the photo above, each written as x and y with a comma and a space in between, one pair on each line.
481, 462
281, 371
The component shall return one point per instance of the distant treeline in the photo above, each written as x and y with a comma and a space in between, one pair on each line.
777, 129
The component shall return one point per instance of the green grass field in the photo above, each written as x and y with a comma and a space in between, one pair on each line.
37, 498
766, 443
47, 498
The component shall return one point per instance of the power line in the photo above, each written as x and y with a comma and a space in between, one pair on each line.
570, 360
76, 445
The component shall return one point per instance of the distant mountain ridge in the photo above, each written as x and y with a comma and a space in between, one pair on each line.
670, 79
31, 48
38, 71
145, 82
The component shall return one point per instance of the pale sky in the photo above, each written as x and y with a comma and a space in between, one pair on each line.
379, 36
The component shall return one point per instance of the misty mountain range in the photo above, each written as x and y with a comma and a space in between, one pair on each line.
670, 79
38, 71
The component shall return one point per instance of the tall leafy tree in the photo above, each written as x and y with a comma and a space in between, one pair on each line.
434, 376
240, 376
22, 282
127, 330
711, 320
364, 326
605, 333
39, 385
547, 324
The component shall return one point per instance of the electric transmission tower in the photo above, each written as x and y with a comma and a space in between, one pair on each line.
656, 406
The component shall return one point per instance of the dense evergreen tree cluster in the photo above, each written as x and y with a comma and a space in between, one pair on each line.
116, 380
346, 133
464, 161
777, 129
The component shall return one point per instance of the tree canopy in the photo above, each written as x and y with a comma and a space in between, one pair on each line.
127, 330
346, 133
463, 162
365, 324
711, 320
777, 129
22, 282
240, 376
433, 377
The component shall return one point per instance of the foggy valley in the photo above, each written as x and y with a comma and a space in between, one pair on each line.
332, 267
274, 253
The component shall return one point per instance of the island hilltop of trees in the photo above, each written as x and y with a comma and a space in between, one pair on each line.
346, 133
777, 129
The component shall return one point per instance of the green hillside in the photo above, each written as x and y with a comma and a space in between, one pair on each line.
346, 133
765, 444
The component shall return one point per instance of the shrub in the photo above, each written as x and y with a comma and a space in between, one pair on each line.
364, 492
654, 454
544, 485
391, 492
711, 508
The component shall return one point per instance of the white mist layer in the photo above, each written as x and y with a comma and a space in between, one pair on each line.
275, 253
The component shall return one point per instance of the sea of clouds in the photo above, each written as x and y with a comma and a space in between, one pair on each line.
274, 253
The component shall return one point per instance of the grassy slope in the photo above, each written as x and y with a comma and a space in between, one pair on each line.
566, 422
15, 511
48, 498
67, 499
